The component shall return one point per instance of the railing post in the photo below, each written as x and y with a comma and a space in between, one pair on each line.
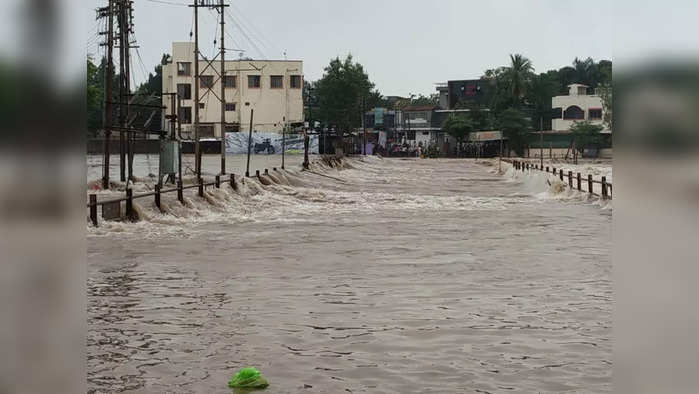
233, 182
180, 196
157, 195
201, 187
589, 183
93, 209
547, 168
579, 183
560, 173
604, 187
218, 181
257, 173
570, 179
129, 204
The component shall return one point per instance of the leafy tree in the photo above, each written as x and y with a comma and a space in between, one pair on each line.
95, 95
604, 69
515, 126
542, 88
154, 84
508, 85
342, 94
458, 127
432, 99
605, 92
518, 76
586, 135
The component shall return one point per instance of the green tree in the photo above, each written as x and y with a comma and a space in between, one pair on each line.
342, 94
458, 127
542, 88
605, 92
586, 136
515, 127
518, 76
95, 95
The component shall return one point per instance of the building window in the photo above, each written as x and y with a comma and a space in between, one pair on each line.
184, 68
230, 107
573, 112
185, 115
276, 81
557, 113
254, 81
206, 131
295, 82
411, 136
201, 105
229, 81
595, 113
206, 81
184, 91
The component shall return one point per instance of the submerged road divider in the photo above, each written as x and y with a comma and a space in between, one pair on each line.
606, 186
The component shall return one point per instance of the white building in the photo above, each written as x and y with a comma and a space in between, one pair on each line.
272, 88
576, 106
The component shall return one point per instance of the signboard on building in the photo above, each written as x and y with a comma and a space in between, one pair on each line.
482, 136
378, 117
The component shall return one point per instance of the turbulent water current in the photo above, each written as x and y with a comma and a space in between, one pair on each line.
368, 276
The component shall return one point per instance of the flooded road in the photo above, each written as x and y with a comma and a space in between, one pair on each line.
387, 276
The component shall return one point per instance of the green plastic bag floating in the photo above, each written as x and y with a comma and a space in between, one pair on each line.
248, 378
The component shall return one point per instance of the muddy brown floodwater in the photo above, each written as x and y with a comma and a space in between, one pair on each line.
387, 276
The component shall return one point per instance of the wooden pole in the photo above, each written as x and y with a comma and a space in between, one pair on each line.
157, 195
93, 209
247, 169
129, 204
604, 187
180, 196
589, 183
579, 182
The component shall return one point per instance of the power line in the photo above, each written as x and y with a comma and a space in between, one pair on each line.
168, 2
269, 45
242, 31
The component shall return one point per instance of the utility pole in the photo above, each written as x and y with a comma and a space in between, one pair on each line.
122, 93
197, 148
223, 94
541, 142
125, 140
108, 98
364, 123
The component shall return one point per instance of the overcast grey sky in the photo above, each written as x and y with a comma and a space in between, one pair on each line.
405, 45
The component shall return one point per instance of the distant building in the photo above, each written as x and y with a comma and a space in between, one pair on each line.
576, 106
443, 90
273, 88
467, 91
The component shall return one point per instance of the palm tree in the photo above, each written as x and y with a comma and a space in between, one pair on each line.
518, 74
585, 71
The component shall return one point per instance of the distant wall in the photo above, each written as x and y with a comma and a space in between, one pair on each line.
96, 147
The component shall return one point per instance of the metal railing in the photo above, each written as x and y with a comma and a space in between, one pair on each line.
577, 185
129, 196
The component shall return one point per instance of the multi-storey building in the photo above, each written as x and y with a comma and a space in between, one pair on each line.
272, 88
575, 107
